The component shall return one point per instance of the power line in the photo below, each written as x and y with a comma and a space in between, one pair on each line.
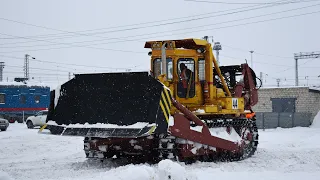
239, 3
195, 27
116, 50
254, 22
294, 66
65, 69
70, 64
279, 65
161, 24
149, 22
240, 49
49, 74
44, 69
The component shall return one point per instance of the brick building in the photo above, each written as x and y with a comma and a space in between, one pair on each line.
287, 106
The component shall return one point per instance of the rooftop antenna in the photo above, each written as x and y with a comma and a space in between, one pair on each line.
217, 47
207, 38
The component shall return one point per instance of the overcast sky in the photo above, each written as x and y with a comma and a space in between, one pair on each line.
100, 35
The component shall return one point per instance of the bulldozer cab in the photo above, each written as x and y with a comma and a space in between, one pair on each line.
189, 69
180, 65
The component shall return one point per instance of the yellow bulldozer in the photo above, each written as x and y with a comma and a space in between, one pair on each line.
186, 108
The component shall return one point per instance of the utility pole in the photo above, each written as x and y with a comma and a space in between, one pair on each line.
69, 75
261, 78
296, 67
307, 78
278, 82
303, 55
26, 66
1, 71
251, 59
217, 47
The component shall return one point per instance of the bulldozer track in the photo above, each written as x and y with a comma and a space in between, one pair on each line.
168, 145
238, 124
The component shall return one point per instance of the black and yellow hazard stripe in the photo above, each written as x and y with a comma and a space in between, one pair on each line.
165, 103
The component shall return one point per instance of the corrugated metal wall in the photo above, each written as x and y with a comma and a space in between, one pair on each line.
268, 120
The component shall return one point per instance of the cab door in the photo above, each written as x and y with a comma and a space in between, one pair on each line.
187, 80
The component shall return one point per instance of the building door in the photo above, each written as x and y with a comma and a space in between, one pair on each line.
283, 105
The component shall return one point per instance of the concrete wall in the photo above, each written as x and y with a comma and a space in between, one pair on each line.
307, 101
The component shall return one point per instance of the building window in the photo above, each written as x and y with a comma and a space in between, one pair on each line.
37, 99
280, 105
2, 98
23, 99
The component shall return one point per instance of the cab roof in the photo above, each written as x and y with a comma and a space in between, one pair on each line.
182, 43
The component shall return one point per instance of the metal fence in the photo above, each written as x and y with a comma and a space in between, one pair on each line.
268, 120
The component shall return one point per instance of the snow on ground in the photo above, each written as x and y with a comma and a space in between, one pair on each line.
316, 121
282, 154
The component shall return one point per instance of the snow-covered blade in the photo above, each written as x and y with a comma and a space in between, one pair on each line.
101, 132
93, 100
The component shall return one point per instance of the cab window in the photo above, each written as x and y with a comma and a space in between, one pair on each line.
202, 69
186, 85
157, 68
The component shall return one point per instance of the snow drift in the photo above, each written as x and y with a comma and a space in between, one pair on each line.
316, 121
4, 176
283, 154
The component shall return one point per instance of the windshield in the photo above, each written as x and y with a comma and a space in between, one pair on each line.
157, 68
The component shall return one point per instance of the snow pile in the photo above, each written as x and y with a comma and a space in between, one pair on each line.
171, 121
221, 132
165, 170
137, 125
28, 83
130, 172
4, 176
315, 88
316, 121
171, 170
57, 95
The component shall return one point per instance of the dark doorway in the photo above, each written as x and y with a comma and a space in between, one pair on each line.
283, 105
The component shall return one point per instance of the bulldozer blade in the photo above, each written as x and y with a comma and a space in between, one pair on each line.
100, 132
107, 104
